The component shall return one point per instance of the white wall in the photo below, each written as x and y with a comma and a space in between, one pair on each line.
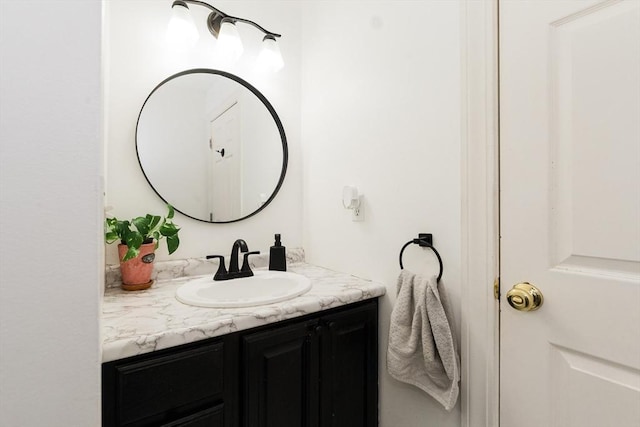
51, 269
370, 96
138, 59
381, 110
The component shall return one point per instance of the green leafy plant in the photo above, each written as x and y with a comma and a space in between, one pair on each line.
143, 229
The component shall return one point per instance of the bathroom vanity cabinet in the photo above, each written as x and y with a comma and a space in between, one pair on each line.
316, 370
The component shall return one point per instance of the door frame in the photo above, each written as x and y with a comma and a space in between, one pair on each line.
480, 213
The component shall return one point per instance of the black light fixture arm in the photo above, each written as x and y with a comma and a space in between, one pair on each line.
217, 16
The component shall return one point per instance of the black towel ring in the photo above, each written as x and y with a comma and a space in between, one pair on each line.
425, 241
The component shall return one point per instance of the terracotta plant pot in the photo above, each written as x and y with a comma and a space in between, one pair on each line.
136, 272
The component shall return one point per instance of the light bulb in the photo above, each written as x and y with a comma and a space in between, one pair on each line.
182, 30
229, 45
270, 57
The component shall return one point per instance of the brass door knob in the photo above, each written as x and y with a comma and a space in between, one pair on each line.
525, 297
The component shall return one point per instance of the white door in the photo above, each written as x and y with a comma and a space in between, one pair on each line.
225, 178
570, 212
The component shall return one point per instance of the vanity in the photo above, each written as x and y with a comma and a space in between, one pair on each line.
311, 360
308, 361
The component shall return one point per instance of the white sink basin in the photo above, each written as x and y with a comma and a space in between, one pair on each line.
265, 287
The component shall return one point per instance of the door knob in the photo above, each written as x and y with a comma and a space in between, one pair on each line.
525, 297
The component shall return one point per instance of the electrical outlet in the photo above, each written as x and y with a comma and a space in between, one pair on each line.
357, 214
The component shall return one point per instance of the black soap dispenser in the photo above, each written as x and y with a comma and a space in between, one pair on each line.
277, 256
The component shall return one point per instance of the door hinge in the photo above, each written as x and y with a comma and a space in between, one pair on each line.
496, 288
210, 144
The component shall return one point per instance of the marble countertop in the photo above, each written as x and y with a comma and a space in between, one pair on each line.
144, 321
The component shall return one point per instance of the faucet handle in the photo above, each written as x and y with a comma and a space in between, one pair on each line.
221, 274
245, 262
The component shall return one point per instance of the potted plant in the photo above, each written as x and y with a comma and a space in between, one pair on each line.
139, 238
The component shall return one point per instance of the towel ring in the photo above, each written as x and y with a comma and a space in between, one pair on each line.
425, 241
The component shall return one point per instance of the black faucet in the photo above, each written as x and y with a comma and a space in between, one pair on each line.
238, 245
234, 271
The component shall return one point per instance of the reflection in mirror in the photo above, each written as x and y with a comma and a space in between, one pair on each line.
211, 145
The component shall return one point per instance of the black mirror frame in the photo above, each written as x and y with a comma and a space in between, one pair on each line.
261, 97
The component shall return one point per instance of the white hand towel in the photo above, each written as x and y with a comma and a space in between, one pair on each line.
422, 349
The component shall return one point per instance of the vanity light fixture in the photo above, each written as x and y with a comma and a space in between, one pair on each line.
270, 57
182, 30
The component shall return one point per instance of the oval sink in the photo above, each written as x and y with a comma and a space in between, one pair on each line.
265, 287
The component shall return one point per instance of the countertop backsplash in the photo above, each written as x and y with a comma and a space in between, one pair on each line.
174, 269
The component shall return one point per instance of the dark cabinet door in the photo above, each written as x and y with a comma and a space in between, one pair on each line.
322, 372
280, 377
349, 365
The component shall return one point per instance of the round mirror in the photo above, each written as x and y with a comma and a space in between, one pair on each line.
211, 145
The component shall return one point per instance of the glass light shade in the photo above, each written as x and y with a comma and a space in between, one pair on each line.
270, 57
182, 30
229, 45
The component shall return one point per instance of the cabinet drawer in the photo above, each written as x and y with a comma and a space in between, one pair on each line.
176, 383
212, 417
